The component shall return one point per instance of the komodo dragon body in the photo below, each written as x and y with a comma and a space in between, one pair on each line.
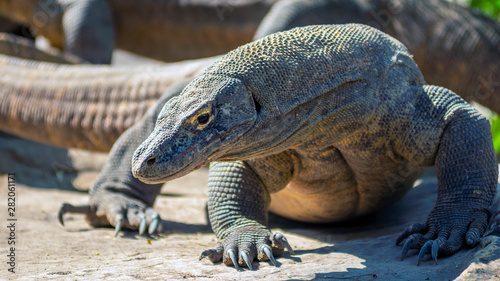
167, 30
323, 124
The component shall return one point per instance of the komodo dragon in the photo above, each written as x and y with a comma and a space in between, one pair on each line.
167, 30
317, 124
454, 47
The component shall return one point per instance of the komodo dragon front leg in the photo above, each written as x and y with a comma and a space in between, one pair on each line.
467, 178
238, 203
117, 198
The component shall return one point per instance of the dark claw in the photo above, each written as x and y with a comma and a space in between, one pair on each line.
68, 208
153, 225
142, 225
232, 256
214, 255
119, 224
415, 228
434, 251
269, 253
426, 249
406, 247
246, 258
204, 254
473, 239
281, 238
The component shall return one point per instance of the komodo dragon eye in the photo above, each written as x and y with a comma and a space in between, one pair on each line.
202, 119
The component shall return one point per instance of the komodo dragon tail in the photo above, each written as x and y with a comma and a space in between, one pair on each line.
82, 106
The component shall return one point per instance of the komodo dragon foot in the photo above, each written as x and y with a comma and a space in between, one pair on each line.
444, 233
243, 245
118, 210
117, 198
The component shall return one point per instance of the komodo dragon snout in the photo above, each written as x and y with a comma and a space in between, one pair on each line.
190, 127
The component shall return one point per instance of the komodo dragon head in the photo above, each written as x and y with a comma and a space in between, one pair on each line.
195, 128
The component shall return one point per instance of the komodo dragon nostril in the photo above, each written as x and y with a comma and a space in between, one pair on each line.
151, 161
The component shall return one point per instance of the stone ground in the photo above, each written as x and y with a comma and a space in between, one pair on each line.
359, 250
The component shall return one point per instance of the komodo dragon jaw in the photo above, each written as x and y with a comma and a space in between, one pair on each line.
191, 128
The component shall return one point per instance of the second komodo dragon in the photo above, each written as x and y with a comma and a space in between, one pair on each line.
322, 124
168, 30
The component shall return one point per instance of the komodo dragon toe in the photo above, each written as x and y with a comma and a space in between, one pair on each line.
241, 247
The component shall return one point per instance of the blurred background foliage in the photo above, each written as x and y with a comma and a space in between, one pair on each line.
491, 8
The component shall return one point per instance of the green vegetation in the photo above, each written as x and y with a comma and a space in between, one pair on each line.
495, 129
489, 7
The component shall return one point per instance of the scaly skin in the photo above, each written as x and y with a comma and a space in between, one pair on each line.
454, 47
323, 124
167, 30
82, 106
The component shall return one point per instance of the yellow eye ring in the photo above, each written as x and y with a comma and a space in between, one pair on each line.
202, 119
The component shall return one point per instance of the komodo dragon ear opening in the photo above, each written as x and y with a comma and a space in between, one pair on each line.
258, 106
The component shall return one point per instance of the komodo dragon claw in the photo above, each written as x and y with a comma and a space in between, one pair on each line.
142, 224
248, 260
119, 224
232, 256
266, 249
282, 242
68, 208
155, 221
153, 225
